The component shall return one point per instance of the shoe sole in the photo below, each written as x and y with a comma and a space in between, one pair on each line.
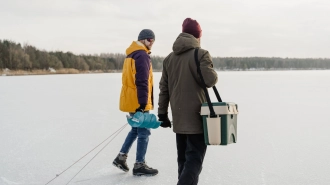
143, 174
119, 166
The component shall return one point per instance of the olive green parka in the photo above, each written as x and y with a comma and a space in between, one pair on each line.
181, 87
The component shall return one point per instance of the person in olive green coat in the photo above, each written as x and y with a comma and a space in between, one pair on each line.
181, 87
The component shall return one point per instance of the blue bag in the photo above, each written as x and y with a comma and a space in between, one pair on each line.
143, 120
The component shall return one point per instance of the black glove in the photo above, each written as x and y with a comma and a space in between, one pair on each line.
165, 121
141, 108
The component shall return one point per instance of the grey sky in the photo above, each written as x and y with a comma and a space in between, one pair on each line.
270, 28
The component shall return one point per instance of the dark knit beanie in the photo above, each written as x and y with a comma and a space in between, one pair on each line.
146, 34
192, 27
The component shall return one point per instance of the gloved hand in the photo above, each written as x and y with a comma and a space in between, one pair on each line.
141, 108
165, 121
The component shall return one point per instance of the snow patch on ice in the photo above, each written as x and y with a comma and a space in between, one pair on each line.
6, 181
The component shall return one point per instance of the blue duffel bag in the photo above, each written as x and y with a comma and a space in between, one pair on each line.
143, 120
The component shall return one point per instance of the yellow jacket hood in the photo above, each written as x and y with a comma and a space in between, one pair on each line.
135, 46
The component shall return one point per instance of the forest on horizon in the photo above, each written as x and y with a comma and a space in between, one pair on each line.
14, 56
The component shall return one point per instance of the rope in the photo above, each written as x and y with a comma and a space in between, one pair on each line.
96, 154
117, 131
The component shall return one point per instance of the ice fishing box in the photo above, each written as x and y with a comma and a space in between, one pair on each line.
221, 130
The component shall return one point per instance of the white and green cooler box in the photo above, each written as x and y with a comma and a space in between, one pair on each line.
221, 130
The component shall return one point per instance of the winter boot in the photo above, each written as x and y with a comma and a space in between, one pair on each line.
142, 169
120, 162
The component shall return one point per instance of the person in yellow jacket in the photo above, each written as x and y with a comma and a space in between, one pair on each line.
137, 96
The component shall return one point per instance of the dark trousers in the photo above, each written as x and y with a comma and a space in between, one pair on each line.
191, 151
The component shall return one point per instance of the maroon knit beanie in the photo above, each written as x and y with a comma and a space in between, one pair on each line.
192, 27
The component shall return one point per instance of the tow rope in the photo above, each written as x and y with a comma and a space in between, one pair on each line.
115, 133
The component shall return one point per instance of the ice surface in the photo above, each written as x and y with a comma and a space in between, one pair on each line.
49, 122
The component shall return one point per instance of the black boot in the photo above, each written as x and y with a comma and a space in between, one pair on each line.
120, 162
142, 169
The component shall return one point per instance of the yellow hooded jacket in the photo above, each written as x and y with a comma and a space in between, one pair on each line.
137, 79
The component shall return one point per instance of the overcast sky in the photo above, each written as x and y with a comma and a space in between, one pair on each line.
238, 28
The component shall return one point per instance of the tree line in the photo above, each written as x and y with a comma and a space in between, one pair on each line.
14, 56
267, 63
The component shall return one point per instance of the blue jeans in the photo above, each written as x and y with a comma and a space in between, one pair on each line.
142, 143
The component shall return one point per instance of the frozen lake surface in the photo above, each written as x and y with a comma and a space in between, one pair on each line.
49, 122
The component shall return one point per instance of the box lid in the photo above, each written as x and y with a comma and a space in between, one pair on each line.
220, 108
